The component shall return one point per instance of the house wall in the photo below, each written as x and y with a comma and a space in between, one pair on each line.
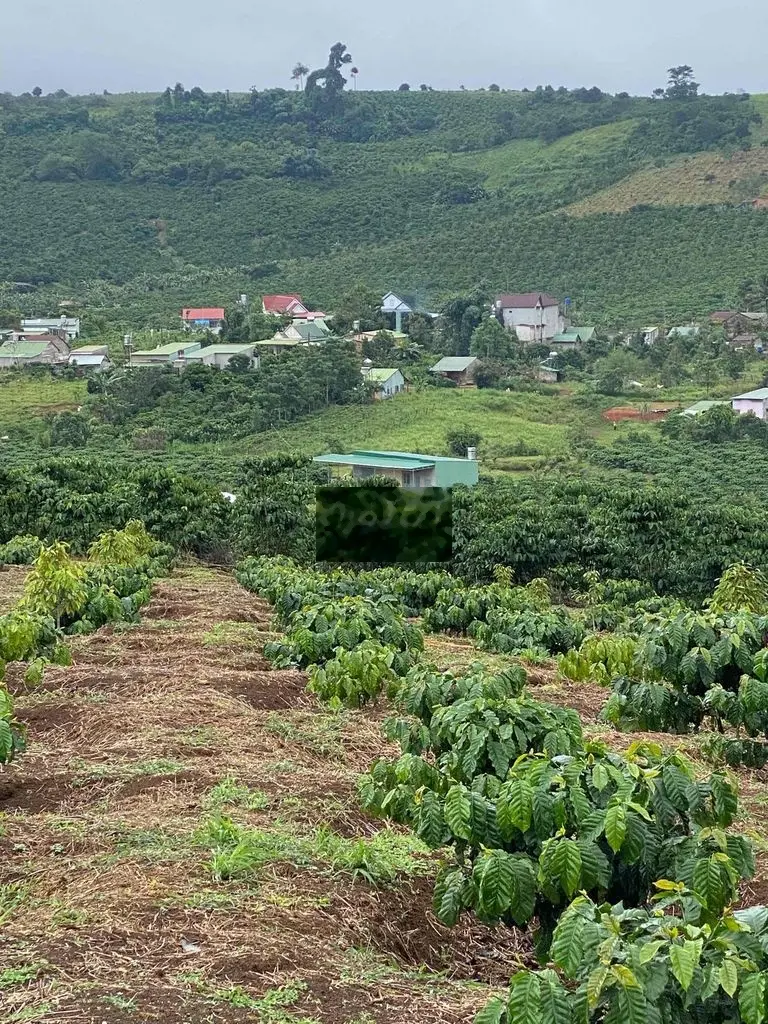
745, 405
393, 386
392, 304
455, 471
547, 322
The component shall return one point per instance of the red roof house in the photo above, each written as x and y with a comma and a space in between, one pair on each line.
203, 318
285, 305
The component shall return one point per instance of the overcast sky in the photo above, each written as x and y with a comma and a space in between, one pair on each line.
123, 45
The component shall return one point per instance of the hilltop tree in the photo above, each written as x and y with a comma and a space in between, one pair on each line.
405, 87
331, 75
37, 91
298, 73
681, 85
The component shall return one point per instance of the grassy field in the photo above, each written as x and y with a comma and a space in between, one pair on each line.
420, 421
25, 398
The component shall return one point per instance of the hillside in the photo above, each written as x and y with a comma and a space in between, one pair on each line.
135, 204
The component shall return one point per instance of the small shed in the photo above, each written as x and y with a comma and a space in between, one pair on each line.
699, 407
572, 337
460, 369
163, 355
387, 382
90, 361
409, 469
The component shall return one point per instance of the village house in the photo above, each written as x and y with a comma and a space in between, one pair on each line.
547, 373
685, 331
651, 335
699, 407
745, 341
173, 353
409, 469
534, 316
219, 355
285, 305
203, 318
752, 401
309, 331
460, 369
45, 350
387, 382
398, 306
69, 326
90, 358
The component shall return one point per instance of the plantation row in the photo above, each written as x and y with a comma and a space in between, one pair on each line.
64, 597
623, 861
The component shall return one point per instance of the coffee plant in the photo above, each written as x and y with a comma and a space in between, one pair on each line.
12, 732
599, 659
56, 584
353, 678
128, 546
20, 550
529, 836
679, 963
315, 631
741, 588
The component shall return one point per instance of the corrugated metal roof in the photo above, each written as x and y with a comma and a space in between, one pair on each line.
281, 303
699, 407
758, 395
453, 364
224, 349
86, 359
379, 375
170, 349
203, 313
526, 300
380, 460
26, 349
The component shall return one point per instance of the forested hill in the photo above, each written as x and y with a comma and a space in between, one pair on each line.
637, 208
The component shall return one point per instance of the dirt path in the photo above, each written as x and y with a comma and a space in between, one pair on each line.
109, 910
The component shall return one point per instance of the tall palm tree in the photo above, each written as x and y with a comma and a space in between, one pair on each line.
297, 75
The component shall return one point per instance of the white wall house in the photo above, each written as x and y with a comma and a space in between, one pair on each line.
752, 401
534, 316
388, 382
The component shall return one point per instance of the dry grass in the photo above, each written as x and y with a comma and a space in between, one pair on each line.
116, 917
11, 585
707, 178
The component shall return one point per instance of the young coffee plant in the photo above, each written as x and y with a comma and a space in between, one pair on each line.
316, 630
662, 966
553, 630
20, 550
56, 584
128, 547
599, 659
353, 678
12, 732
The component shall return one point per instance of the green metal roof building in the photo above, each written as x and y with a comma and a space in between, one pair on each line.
410, 469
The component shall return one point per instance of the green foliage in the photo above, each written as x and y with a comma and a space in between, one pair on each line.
599, 659
530, 830
641, 966
353, 678
459, 441
741, 588
55, 586
12, 732
21, 550
122, 547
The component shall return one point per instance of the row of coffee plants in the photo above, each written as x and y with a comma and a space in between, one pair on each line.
683, 669
62, 596
627, 863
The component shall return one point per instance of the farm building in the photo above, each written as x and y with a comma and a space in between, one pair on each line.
751, 401
308, 331
388, 382
68, 325
173, 352
398, 306
203, 318
572, 337
220, 355
47, 350
408, 468
92, 358
534, 316
460, 369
